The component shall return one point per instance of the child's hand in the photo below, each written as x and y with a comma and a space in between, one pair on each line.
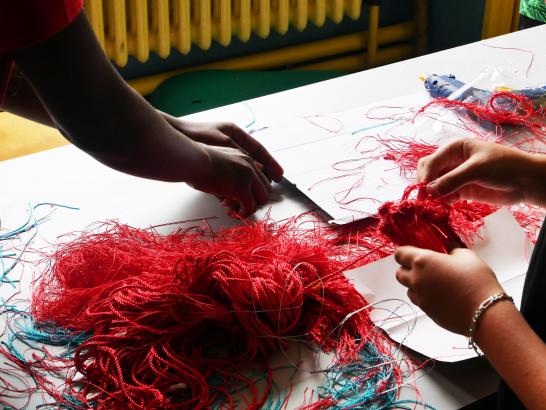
448, 288
233, 176
225, 134
484, 171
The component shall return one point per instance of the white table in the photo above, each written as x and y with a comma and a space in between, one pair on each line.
68, 176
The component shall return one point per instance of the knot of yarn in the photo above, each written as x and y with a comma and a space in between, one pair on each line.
422, 222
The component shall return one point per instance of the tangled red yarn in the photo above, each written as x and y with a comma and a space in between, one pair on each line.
174, 319
406, 154
430, 223
502, 108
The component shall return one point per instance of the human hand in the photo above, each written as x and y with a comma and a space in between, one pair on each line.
448, 288
225, 134
233, 176
484, 171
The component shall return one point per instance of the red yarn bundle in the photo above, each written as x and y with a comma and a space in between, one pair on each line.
418, 222
430, 223
175, 319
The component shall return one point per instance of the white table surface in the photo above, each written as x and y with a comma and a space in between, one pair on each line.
68, 176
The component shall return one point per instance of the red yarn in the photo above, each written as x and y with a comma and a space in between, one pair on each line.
406, 153
502, 108
181, 310
431, 223
466, 217
420, 222
530, 218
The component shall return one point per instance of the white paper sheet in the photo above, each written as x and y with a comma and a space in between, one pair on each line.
336, 159
504, 247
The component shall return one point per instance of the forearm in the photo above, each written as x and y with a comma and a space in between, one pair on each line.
155, 150
97, 111
515, 351
536, 191
21, 100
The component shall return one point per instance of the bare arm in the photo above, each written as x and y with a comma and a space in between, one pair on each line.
21, 100
87, 100
92, 106
515, 351
449, 288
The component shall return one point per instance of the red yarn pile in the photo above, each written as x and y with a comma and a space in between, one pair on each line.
502, 108
175, 319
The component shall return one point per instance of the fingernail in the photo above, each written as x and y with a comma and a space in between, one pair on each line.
178, 386
432, 189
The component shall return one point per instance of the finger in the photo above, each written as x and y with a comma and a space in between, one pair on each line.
256, 150
246, 203
445, 157
260, 166
220, 139
404, 255
403, 276
261, 193
214, 137
230, 203
263, 178
460, 251
493, 196
455, 179
413, 297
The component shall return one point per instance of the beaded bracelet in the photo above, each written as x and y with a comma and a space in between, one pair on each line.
491, 300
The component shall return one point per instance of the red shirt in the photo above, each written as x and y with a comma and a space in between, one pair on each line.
24, 23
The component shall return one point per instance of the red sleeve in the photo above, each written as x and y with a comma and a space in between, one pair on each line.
6, 65
24, 23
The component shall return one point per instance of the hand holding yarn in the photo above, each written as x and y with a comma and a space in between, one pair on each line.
447, 287
484, 171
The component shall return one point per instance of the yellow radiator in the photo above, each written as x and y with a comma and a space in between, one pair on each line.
500, 17
137, 27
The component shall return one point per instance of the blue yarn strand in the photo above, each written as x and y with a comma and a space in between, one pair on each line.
31, 223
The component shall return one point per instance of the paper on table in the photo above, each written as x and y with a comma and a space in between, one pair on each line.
336, 159
504, 246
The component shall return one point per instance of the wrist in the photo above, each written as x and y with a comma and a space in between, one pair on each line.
203, 162
167, 117
177, 123
535, 189
491, 320
486, 305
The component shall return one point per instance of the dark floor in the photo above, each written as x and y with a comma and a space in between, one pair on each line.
487, 403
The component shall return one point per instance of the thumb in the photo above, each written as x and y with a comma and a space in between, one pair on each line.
453, 180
